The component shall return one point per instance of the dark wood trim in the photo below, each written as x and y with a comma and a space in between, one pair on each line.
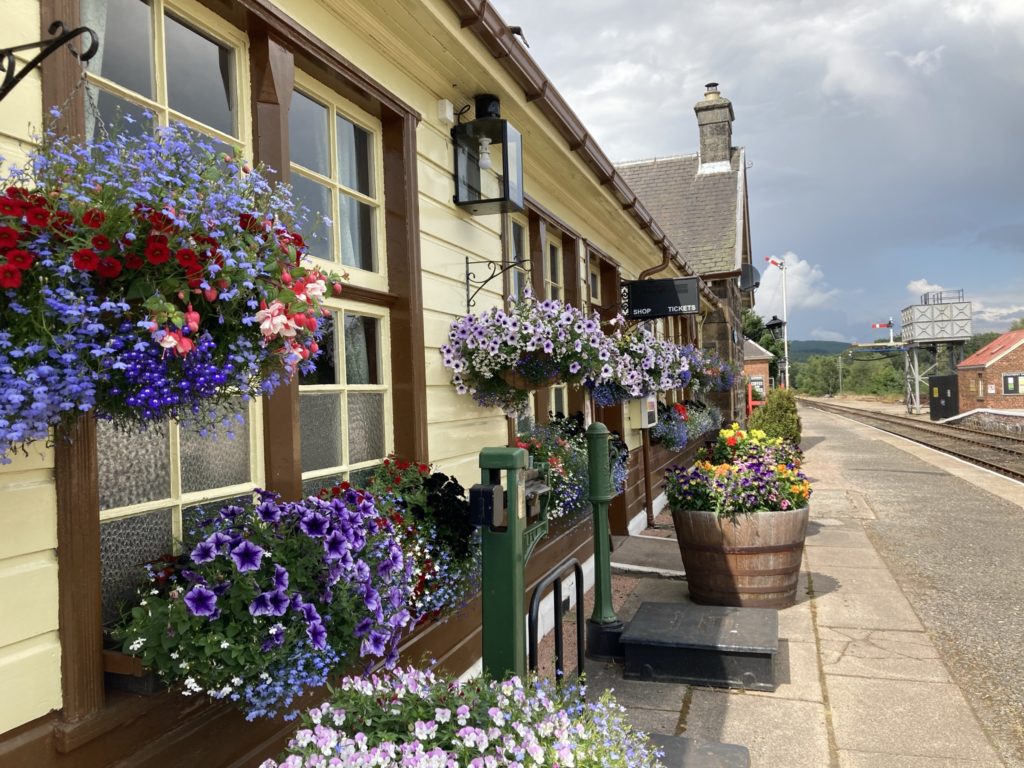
76, 467
312, 48
272, 69
534, 206
78, 561
61, 72
405, 279
369, 295
538, 247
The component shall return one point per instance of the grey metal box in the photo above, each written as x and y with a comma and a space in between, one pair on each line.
703, 645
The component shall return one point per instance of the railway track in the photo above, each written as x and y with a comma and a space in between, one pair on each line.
999, 452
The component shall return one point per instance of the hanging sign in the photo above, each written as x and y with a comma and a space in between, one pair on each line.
648, 299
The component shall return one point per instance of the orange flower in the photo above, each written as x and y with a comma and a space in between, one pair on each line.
730, 441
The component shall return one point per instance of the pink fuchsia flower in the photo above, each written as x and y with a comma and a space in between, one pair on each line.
174, 340
274, 320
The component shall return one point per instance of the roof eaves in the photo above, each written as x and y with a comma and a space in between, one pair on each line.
491, 29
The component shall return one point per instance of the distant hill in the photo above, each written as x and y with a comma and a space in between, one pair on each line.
799, 351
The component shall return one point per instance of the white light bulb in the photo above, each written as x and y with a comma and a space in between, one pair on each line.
485, 155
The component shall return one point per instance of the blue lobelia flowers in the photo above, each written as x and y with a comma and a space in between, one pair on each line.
145, 278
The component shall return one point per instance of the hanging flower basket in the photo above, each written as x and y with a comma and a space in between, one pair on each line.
500, 356
144, 278
642, 365
535, 370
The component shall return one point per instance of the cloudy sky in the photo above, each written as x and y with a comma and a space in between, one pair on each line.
887, 137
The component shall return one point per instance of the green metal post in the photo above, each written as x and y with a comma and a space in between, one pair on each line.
503, 555
603, 627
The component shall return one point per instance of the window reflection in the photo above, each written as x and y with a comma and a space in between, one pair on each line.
355, 157
307, 134
355, 221
125, 55
316, 198
361, 358
200, 76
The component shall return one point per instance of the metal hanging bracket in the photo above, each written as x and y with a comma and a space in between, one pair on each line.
7, 62
495, 270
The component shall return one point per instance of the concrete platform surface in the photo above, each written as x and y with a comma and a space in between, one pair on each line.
873, 670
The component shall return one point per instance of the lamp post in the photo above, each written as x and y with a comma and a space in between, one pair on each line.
781, 264
777, 328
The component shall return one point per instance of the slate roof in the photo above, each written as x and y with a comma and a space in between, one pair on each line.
754, 351
994, 350
697, 211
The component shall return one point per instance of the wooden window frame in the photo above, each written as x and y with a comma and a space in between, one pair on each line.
337, 105
274, 41
342, 388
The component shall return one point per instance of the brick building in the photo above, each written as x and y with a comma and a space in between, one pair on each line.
994, 375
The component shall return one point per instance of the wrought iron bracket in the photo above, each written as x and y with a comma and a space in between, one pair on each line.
495, 270
63, 37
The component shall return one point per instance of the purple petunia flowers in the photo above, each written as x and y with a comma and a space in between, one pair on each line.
201, 601
247, 556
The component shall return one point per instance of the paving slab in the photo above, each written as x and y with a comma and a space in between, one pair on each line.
796, 623
796, 673
859, 579
823, 558
867, 610
899, 717
886, 654
822, 536
648, 554
681, 752
778, 732
848, 759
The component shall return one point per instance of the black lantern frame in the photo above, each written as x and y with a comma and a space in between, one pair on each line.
472, 183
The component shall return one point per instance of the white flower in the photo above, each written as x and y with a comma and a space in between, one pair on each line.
137, 644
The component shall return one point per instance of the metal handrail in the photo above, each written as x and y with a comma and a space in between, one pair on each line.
554, 577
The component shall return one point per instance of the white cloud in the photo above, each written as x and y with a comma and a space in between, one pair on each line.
927, 62
805, 287
921, 286
995, 315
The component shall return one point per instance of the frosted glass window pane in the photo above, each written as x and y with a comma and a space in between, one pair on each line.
126, 545
365, 426
200, 514
355, 157
361, 356
125, 31
215, 460
307, 134
355, 220
312, 486
326, 371
133, 466
361, 477
316, 198
321, 431
200, 77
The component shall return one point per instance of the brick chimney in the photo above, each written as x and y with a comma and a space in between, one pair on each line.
714, 117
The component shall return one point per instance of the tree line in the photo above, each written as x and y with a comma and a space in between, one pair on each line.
859, 371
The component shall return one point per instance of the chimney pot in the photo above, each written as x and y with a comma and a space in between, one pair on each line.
712, 89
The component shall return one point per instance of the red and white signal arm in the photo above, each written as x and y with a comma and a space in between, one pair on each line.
882, 325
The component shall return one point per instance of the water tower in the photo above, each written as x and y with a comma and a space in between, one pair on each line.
942, 320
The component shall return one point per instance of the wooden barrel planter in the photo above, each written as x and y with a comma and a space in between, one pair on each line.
751, 562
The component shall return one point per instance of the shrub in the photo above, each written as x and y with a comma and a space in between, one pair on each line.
778, 416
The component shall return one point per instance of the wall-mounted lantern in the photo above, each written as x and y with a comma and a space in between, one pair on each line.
488, 161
